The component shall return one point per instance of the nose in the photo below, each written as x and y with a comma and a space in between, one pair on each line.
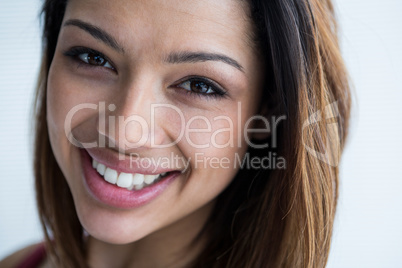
129, 121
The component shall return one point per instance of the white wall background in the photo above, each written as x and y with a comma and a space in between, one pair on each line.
368, 225
19, 64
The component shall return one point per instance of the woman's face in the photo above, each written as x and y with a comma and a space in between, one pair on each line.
146, 88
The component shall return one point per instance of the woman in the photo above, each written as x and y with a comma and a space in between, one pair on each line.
188, 133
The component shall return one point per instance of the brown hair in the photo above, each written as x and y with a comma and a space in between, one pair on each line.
266, 217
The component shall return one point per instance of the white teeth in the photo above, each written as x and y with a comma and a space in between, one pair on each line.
125, 180
101, 169
139, 187
138, 179
148, 179
111, 175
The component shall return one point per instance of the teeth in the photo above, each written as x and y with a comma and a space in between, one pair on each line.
148, 179
138, 179
125, 180
101, 169
111, 175
139, 187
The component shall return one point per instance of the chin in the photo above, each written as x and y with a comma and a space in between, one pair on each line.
113, 228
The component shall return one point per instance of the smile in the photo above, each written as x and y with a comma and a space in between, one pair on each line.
113, 183
129, 181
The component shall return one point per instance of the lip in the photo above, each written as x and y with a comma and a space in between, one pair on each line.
126, 165
116, 197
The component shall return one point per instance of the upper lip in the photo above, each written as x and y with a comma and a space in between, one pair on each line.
111, 159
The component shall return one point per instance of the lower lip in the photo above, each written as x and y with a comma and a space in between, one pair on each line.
114, 196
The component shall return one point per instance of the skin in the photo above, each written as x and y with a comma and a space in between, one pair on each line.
158, 233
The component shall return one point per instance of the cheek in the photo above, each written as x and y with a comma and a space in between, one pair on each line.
67, 109
57, 108
215, 153
56, 104
218, 134
71, 100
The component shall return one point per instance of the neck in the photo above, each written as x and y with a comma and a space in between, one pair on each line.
173, 246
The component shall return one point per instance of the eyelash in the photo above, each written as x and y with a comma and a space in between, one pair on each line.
76, 52
217, 91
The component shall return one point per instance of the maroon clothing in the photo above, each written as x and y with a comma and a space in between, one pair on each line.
34, 259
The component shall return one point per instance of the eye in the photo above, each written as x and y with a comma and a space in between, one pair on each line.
90, 57
94, 59
197, 87
202, 86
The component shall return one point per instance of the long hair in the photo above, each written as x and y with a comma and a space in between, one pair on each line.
265, 217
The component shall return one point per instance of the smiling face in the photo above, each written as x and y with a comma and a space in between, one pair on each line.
116, 60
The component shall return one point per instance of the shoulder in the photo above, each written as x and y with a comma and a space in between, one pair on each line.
17, 257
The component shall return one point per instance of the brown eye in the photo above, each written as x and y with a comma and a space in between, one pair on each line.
198, 86
201, 86
94, 59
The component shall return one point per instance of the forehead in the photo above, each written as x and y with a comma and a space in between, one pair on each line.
165, 25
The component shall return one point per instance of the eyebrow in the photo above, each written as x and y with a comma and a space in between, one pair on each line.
174, 58
193, 57
96, 32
